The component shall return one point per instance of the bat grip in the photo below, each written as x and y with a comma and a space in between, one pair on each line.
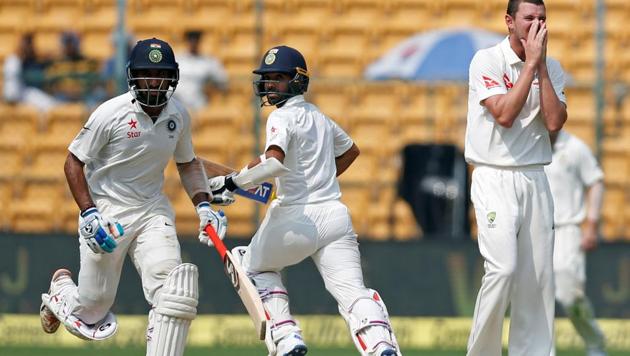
216, 240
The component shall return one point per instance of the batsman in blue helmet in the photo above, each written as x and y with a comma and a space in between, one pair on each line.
283, 75
305, 152
115, 171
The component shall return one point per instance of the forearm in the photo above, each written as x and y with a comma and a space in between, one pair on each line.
194, 180
214, 169
553, 111
346, 159
595, 197
73, 169
509, 105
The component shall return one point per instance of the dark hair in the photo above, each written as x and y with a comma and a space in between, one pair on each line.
512, 6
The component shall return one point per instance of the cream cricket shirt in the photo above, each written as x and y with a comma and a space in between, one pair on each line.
572, 169
311, 142
494, 71
125, 153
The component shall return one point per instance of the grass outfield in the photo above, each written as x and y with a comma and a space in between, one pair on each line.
99, 351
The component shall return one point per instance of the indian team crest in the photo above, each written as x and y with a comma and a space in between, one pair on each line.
155, 55
271, 56
492, 216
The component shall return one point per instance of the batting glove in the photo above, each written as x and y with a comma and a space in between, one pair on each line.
99, 233
220, 195
214, 218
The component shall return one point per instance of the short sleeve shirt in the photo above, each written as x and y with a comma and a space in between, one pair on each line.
493, 71
125, 153
311, 141
573, 169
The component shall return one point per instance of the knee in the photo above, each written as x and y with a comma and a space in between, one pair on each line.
566, 298
504, 272
155, 275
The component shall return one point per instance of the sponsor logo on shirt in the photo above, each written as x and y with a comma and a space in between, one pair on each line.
489, 82
506, 80
133, 125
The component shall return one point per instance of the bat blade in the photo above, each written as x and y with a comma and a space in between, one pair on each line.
241, 283
260, 193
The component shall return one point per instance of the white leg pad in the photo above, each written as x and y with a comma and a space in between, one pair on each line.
369, 325
173, 311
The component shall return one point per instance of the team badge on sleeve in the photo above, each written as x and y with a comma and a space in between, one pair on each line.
171, 125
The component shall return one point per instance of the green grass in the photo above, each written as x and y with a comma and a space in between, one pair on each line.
133, 351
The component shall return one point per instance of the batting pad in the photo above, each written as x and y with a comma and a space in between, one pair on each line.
174, 310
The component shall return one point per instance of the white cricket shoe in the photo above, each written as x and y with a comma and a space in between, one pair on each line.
596, 352
385, 349
292, 345
49, 321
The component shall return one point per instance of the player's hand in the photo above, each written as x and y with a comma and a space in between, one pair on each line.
214, 218
224, 198
220, 195
99, 233
536, 44
589, 236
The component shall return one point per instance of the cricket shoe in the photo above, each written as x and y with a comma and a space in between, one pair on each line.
49, 321
292, 345
596, 352
384, 349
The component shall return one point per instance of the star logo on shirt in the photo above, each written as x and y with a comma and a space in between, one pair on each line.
132, 123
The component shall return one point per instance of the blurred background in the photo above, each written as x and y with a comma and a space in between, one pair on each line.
392, 73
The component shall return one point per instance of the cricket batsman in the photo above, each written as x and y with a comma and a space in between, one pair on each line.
305, 151
115, 171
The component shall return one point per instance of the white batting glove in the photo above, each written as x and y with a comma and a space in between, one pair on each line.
220, 195
214, 218
99, 233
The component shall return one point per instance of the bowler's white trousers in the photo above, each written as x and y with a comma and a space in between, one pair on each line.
514, 211
151, 242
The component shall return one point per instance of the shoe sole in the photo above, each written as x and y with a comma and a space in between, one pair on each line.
297, 351
48, 320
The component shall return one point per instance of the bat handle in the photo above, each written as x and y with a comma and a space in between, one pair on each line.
216, 240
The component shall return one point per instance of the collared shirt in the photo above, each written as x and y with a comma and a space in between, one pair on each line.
572, 170
125, 153
311, 141
194, 72
493, 71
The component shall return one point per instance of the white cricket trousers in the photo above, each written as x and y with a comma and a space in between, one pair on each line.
569, 265
151, 242
514, 211
289, 234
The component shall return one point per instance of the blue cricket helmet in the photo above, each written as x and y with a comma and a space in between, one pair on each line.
150, 54
287, 60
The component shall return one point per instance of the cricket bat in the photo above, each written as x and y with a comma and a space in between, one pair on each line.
261, 193
244, 287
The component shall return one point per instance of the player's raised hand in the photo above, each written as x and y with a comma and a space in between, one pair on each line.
218, 220
536, 43
99, 233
